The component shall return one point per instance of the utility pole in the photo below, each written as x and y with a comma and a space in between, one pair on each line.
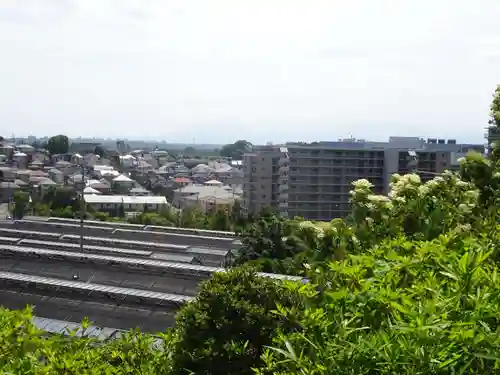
82, 207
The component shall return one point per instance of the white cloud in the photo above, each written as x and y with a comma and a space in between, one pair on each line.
263, 70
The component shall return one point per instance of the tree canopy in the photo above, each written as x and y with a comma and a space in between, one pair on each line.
236, 150
100, 150
494, 122
58, 144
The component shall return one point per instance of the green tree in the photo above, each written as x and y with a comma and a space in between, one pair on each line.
101, 216
58, 144
191, 217
100, 151
121, 211
41, 209
482, 172
21, 204
494, 123
225, 329
190, 151
236, 150
220, 220
62, 197
270, 243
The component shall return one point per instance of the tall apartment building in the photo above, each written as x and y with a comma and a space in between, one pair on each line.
265, 182
313, 180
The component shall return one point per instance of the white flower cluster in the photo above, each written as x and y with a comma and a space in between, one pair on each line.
447, 187
315, 228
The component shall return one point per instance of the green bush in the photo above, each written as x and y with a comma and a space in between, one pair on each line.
225, 329
403, 307
26, 350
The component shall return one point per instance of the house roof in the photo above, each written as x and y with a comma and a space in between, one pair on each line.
55, 171
143, 164
63, 162
127, 157
89, 190
35, 180
182, 180
109, 173
38, 173
20, 182
9, 185
90, 182
99, 185
47, 181
159, 153
125, 199
20, 154
139, 189
213, 182
201, 168
101, 167
205, 190
122, 178
25, 146
78, 178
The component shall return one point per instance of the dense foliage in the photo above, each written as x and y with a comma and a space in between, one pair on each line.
26, 350
407, 284
58, 144
225, 330
236, 150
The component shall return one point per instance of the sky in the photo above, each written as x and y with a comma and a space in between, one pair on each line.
214, 71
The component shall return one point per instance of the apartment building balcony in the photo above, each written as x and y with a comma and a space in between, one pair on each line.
283, 197
283, 205
284, 171
284, 161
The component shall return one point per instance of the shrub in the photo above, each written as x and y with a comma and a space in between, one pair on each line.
26, 350
225, 330
403, 307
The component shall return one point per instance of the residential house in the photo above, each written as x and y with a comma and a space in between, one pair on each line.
56, 175
7, 190
122, 184
7, 150
205, 197
139, 191
90, 190
20, 160
102, 186
7, 173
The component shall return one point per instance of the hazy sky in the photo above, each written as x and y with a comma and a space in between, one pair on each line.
260, 70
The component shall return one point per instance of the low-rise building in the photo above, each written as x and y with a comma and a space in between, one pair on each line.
112, 203
205, 197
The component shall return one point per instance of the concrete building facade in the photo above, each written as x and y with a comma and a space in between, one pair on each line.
265, 181
313, 180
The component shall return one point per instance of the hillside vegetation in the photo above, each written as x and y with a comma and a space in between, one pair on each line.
408, 284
